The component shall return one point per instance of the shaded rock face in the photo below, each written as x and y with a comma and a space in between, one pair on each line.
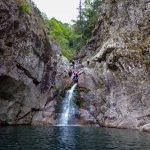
28, 67
119, 53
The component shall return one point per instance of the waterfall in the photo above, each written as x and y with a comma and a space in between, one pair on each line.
68, 108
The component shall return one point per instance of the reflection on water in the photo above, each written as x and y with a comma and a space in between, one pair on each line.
71, 138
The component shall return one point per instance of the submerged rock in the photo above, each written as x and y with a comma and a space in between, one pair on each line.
146, 127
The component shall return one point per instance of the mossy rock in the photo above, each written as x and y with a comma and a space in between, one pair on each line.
79, 103
23, 6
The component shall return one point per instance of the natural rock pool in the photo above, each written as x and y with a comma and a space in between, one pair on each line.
71, 138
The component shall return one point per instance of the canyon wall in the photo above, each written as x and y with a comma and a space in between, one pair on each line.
30, 66
115, 86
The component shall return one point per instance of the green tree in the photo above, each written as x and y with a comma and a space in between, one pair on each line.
65, 36
72, 37
87, 19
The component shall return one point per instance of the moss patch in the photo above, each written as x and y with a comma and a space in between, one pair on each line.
23, 6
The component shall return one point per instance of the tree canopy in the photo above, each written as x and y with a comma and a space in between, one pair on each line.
88, 16
72, 37
65, 36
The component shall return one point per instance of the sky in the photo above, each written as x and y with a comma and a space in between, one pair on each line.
62, 10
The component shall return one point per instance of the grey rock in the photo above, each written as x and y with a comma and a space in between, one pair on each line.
119, 50
146, 127
29, 66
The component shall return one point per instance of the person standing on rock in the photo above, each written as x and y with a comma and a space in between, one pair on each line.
88, 61
73, 64
70, 73
75, 77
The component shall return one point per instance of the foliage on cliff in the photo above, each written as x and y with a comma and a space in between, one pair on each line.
72, 37
23, 6
65, 36
87, 18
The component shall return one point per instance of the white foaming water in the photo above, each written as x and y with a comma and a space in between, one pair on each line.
68, 108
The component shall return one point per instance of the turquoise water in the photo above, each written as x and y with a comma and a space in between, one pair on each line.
71, 138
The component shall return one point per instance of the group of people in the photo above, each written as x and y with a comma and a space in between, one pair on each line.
73, 74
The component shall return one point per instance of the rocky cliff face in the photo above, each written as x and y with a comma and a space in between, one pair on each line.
28, 67
116, 91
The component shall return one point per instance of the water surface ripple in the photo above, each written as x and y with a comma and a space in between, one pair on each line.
71, 138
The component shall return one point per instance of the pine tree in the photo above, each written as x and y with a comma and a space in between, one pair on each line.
80, 20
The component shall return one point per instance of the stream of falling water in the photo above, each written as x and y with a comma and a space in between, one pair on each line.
68, 109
